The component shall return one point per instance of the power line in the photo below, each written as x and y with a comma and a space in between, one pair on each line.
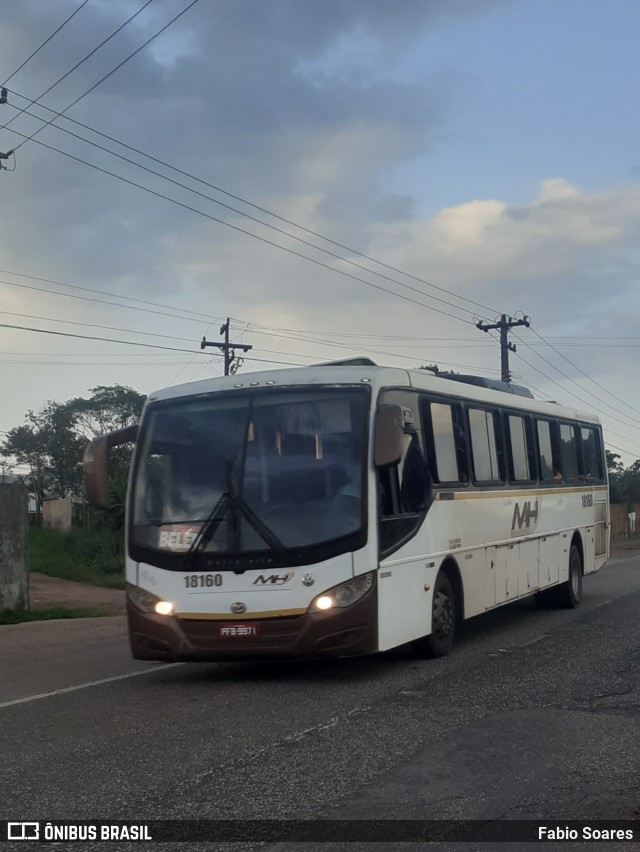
120, 64
580, 370
84, 363
588, 406
622, 450
46, 41
106, 293
70, 71
96, 325
359, 348
99, 301
89, 337
261, 221
590, 393
300, 338
255, 207
249, 233
244, 231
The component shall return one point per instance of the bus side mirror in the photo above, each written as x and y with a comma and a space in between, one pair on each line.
388, 435
96, 464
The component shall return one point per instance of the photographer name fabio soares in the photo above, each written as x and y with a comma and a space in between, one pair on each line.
586, 832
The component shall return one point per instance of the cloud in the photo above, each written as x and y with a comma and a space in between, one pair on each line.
302, 109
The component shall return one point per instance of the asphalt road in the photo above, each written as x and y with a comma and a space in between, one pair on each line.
533, 716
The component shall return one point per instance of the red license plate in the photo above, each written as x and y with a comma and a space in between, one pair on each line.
238, 630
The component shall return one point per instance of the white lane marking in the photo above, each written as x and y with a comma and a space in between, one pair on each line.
597, 606
251, 754
533, 641
87, 685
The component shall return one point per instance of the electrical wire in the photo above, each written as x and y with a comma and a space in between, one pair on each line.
255, 207
117, 68
258, 221
96, 325
70, 71
99, 301
582, 372
583, 390
172, 308
89, 337
46, 41
237, 228
575, 396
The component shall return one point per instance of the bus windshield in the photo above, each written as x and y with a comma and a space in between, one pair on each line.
281, 469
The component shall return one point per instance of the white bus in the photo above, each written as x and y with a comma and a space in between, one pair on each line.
348, 508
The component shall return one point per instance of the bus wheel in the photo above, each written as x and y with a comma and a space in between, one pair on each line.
443, 622
569, 594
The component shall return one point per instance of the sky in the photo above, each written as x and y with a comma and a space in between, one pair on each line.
339, 177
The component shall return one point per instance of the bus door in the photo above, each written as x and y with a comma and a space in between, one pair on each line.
404, 496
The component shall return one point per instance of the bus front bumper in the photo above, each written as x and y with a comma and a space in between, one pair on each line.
339, 632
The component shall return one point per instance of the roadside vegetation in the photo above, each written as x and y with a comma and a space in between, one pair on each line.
50, 614
92, 556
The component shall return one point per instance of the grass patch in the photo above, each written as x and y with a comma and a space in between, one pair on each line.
86, 556
50, 614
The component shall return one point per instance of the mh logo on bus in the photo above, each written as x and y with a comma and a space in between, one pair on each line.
523, 517
273, 579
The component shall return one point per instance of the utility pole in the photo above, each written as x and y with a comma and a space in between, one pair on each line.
231, 363
3, 156
504, 326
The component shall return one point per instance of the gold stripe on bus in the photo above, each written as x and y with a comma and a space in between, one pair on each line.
443, 496
246, 616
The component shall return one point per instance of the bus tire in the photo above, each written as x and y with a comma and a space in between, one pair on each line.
569, 594
443, 622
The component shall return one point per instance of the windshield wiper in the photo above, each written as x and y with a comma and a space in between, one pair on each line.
209, 527
262, 529
229, 501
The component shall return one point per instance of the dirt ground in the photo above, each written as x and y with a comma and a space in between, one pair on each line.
45, 592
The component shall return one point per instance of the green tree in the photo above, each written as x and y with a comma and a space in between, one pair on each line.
53, 441
110, 408
107, 409
624, 482
51, 449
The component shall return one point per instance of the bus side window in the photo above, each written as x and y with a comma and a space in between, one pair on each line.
568, 452
448, 459
591, 455
485, 445
460, 437
548, 456
520, 455
406, 488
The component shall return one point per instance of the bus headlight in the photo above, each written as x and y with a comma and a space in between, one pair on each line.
343, 595
148, 602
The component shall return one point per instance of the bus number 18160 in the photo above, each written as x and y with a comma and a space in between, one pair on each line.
202, 581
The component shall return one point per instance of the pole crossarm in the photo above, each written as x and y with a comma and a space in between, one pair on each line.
504, 326
227, 348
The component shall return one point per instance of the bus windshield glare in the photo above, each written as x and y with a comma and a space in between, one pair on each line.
251, 471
